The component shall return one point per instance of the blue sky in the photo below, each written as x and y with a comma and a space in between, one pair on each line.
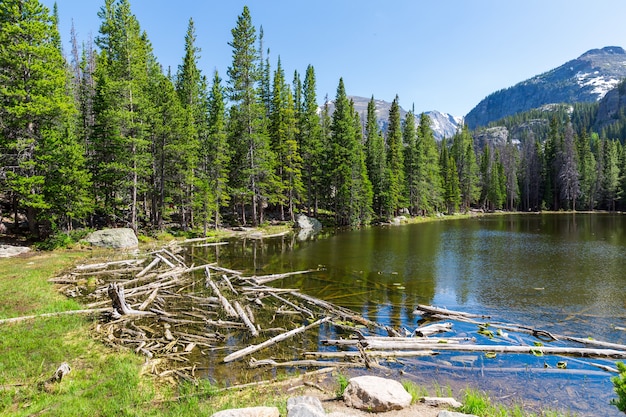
444, 55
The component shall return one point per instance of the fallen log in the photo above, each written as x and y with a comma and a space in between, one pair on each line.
536, 350
372, 353
225, 303
55, 314
246, 320
120, 307
104, 265
263, 279
147, 269
254, 348
301, 363
430, 310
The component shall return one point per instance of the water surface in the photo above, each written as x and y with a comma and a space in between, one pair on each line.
562, 273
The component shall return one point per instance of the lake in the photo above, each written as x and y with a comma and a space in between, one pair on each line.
563, 273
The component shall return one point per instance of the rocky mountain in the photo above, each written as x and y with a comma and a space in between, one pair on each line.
585, 79
443, 124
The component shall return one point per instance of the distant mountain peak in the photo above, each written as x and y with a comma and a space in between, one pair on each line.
442, 124
584, 79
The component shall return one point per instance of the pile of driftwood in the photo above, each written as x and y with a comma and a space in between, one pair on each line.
189, 318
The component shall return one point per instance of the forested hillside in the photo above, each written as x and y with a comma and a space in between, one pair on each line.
105, 137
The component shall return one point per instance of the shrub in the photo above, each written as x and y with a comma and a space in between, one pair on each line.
619, 385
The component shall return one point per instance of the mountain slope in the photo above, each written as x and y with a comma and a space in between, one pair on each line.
585, 79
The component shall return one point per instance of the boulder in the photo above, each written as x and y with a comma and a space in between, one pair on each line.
441, 401
123, 238
305, 406
304, 222
308, 226
454, 414
375, 394
249, 412
6, 251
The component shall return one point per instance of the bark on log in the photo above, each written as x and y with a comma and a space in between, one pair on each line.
225, 303
246, 320
254, 348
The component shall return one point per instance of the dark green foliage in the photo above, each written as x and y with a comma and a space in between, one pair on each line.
619, 385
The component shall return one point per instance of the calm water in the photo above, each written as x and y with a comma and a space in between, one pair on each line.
562, 273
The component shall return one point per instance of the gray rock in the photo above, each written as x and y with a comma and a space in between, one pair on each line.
7, 251
305, 406
249, 412
441, 401
305, 222
376, 394
454, 414
123, 238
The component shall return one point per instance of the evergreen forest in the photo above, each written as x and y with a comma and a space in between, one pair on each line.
103, 136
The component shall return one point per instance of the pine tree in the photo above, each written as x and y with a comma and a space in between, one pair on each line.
429, 173
411, 159
611, 174
310, 142
395, 160
215, 154
376, 160
569, 182
586, 167
122, 107
283, 132
450, 179
462, 151
42, 160
530, 167
252, 171
348, 175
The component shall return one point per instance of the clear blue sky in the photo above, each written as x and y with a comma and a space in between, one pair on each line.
444, 55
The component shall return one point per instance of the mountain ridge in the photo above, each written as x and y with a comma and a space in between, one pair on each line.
587, 78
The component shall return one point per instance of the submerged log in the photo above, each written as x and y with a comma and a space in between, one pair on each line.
433, 329
254, 348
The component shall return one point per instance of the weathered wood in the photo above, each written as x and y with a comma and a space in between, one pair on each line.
204, 245
433, 329
303, 310
107, 264
147, 269
149, 300
371, 353
421, 309
55, 314
254, 348
246, 320
301, 363
263, 279
542, 350
223, 300
120, 306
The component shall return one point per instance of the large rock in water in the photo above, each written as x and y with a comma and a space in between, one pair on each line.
308, 226
376, 394
123, 238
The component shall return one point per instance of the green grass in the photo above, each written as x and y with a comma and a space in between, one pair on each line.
479, 403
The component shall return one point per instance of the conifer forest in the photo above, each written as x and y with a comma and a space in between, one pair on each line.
101, 135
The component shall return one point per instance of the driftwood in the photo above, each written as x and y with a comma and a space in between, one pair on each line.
181, 324
59, 313
253, 348
246, 320
433, 329
225, 303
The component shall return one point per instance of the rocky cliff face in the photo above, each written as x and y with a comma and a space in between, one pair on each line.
585, 79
